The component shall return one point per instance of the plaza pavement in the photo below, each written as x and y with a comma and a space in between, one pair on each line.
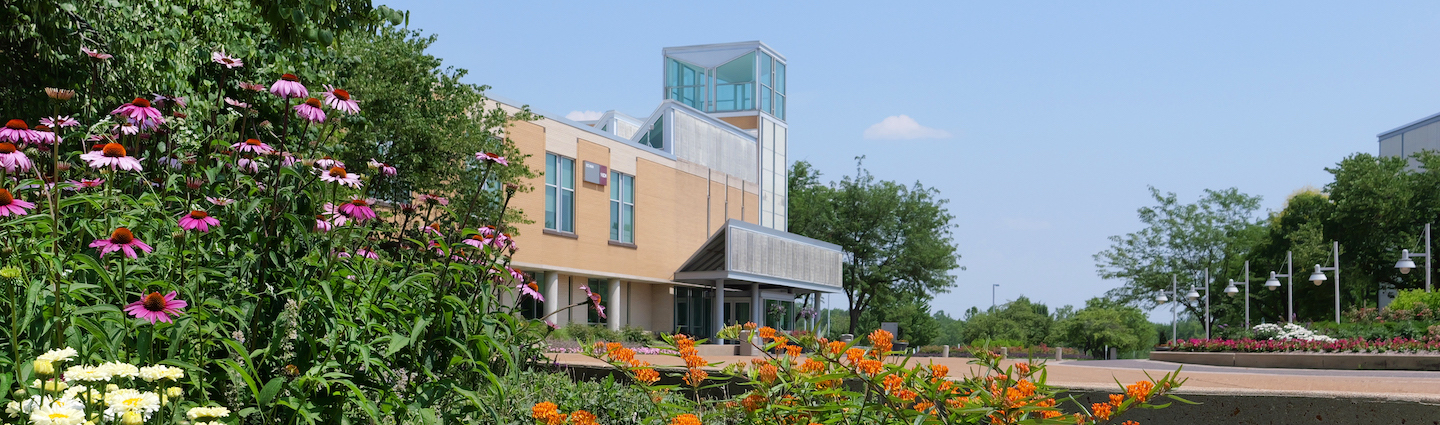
1100, 375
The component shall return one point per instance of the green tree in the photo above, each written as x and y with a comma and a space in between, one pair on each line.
1018, 320
1105, 323
1182, 240
897, 239
951, 329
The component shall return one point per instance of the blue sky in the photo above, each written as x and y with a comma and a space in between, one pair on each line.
1042, 123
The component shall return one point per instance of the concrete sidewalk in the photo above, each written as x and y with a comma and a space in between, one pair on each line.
1100, 376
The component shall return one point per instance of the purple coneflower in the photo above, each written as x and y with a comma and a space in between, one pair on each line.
161, 100
11, 206
248, 165
336, 217
341, 100
121, 239
111, 155
87, 183
198, 220
310, 110
230, 62
429, 199
531, 289
59, 122
328, 162
595, 301
127, 129
252, 145
95, 54
236, 103
11, 159
286, 158
16, 131
220, 201
407, 209
289, 86
337, 174
358, 209
384, 168
432, 228
155, 307
477, 241
323, 224
245, 85
491, 157
141, 112
43, 135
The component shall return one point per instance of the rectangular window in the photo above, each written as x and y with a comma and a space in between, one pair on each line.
622, 207
601, 287
559, 193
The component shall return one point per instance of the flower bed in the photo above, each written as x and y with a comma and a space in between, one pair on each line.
1355, 345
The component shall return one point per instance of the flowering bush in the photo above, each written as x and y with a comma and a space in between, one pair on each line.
1357, 345
223, 235
1289, 331
113, 392
842, 383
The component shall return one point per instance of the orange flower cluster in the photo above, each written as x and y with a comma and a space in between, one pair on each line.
768, 373
812, 366
854, 355
581, 417
871, 367
1116, 399
1102, 410
694, 376
766, 333
939, 371
1024, 368
617, 353
883, 342
686, 419
1140, 390
647, 375
547, 412
836, 347
753, 402
1129, 423
893, 383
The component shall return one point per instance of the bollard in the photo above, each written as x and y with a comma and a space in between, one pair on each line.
1004, 353
1058, 353
945, 352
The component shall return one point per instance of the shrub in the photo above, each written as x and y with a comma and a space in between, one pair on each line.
613, 403
1408, 299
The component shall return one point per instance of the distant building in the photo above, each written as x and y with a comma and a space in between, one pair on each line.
1410, 138
676, 219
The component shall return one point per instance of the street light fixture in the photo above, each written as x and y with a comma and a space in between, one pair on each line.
1194, 295
1231, 290
992, 294
1405, 263
1318, 277
1274, 284
1162, 299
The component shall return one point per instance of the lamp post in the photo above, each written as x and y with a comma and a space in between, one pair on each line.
1319, 276
1232, 291
1405, 264
1193, 295
1274, 284
992, 294
1162, 299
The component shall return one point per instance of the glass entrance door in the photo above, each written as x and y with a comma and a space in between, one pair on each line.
693, 310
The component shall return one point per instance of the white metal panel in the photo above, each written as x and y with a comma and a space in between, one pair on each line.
1390, 146
1425, 137
703, 143
763, 254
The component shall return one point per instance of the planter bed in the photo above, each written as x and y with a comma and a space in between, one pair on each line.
1305, 360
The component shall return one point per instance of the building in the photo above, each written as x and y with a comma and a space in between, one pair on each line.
1411, 138
676, 219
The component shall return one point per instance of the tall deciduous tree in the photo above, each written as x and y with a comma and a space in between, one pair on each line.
1183, 240
1105, 323
897, 239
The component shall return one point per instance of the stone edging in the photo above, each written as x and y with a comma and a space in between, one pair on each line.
1302, 360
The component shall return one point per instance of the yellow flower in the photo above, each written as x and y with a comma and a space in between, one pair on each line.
44, 368
174, 392
131, 418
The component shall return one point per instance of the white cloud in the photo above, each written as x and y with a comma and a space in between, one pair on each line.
1026, 224
902, 127
583, 115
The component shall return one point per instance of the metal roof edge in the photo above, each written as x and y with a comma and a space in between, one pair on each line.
583, 127
1416, 123
781, 234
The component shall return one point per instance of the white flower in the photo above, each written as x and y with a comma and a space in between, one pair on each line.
120, 370
58, 355
212, 413
130, 400
158, 372
50, 415
50, 385
87, 373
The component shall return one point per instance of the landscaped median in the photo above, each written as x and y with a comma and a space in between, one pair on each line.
1304, 360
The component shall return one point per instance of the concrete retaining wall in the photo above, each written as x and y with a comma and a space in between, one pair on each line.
1230, 409
1303, 360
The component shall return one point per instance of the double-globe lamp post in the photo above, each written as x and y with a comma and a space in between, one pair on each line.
1162, 299
1318, 277
1192, 296
1405, 263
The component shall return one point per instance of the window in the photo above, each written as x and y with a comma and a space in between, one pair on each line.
779, 90
735, 84
685, 83
655, 138
559, 193
693, 308
767, 81
601, 287
780, 314
622, 207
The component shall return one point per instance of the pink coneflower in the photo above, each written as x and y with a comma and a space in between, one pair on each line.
432, 228
16, 131
531, 289
366, 253
95, 54
11, 206
220, 201
175, 162
323, 224
160, 101
11, 159
141, 112
230, 62
87, 183
384, 168
155, 307
126, 129
248, 165
516, 274
407, 209
310, 110
341, 101
328, 162
111, 155
252, 145
358, 209
286, 158
476, 241
595, 301
491, 157
429, 199
245, 85
289, 86
43, 135
504, 241
198, 220
120, 240
337, 174
59, 122
236, 103
336, 217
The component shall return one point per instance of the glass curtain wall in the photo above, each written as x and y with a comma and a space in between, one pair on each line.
735, 84
685, 83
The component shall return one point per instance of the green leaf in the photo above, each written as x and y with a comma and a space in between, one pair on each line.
271, 389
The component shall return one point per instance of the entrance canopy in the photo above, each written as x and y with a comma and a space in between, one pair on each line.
746, 252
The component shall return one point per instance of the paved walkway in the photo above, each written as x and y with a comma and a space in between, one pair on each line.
1102, 374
